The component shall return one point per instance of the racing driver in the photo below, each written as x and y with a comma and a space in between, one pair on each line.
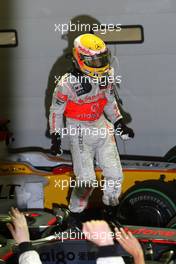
85, 97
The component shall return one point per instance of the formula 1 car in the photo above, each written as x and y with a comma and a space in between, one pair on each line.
36, 179
59, 245
33, 178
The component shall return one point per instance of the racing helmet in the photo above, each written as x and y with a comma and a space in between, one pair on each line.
91, 56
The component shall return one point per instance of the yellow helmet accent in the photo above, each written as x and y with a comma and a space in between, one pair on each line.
92, 42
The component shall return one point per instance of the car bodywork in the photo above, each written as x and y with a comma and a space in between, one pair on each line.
37, 180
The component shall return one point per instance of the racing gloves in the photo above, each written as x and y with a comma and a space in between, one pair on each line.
56, 144
122, 130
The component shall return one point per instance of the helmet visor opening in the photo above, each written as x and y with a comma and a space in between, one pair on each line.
97, 61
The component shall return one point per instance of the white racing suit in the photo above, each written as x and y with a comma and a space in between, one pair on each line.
91, 135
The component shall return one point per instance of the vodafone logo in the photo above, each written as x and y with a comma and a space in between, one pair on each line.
86, 51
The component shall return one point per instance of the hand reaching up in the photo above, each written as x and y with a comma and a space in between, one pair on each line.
18, 227
130, 244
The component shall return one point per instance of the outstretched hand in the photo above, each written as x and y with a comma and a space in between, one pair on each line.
18, 227
130, 244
